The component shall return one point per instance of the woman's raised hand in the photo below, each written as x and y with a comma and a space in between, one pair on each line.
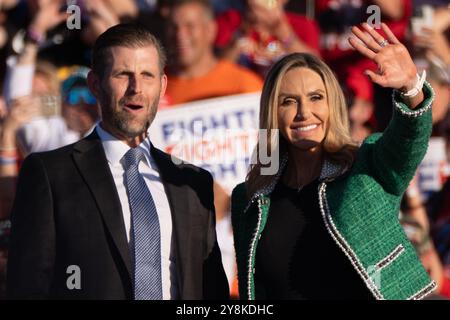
395, 66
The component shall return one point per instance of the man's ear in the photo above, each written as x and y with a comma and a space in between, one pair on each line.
163, 86
93, 82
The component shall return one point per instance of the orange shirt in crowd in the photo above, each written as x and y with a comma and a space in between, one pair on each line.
227, 78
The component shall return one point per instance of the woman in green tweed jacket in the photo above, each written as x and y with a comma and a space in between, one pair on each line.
325, 225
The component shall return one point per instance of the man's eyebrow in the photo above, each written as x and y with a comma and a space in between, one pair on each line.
148, 73
129, 72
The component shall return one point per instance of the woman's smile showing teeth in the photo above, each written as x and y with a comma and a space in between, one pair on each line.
305, 131
307, 128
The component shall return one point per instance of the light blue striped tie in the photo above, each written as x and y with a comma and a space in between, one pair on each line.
145, 231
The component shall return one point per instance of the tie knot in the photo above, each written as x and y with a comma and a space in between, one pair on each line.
133, 157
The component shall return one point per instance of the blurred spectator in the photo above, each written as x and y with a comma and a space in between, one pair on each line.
33, 121
4, 222
439, 211
147, 5
414, 205
124, 9
224, 5
304, 7
431, 48
79, 106
433, 171
336, 17
195, 73
57, 44
8, 4
420, 238
103, 14
156, 20
360, 112
418, 3
264, 33
60, 44
5, 32
360, 115
430, 45
430, 38
46, 130
21, 111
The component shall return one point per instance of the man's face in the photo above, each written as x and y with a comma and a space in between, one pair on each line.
129, 90
191, 34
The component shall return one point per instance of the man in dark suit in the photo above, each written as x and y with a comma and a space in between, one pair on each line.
111, 216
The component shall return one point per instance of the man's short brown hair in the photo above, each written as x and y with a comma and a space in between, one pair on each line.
124, 35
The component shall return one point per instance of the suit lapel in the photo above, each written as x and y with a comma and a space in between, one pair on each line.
90, 159
177, 194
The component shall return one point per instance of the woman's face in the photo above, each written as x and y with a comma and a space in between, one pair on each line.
303, 112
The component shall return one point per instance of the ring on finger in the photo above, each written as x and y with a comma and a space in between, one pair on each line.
383, 43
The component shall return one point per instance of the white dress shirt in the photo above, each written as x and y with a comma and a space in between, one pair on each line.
115, 150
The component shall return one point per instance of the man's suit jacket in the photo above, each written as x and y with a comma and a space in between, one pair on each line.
67, 212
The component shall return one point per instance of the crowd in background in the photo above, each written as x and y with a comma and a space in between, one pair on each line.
218, 48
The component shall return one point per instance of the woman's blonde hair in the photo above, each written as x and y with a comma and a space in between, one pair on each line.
337, 144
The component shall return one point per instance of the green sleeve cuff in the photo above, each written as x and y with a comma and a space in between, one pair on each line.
424, 107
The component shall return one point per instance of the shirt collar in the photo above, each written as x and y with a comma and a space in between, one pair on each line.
115, 149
